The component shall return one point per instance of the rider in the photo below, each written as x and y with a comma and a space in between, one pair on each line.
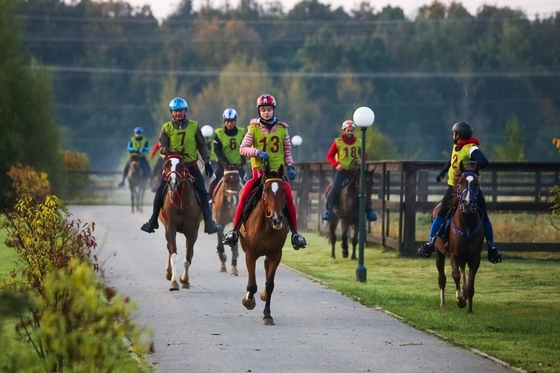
137, 144
465, 150
342, 154
267, 139
226, 147
184, 135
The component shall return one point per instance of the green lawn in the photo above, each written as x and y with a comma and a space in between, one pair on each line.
516, 305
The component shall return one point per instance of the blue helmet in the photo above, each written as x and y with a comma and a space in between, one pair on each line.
138, 130
229, 114
178, 104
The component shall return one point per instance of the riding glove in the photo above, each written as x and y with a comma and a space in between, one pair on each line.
208, 169
440, 176
263, 155
291, 174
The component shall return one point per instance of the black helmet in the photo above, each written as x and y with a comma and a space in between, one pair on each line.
463, 129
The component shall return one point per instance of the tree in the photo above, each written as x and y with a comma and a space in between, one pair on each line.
513, 148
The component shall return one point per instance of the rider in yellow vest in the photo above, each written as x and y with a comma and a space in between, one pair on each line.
465, 150
225, 146
267, 139
137, 144
345, 155
184, 134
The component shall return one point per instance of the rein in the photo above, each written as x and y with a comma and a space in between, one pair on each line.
477, 210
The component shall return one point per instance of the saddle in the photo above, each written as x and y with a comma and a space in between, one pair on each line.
443, 231
253, 199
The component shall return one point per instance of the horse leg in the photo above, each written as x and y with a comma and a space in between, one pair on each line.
355, 242
249, 299
171, 274
221, 254
270, 266
332, 238
456, 273
131, 198
189, 252
234, 256
473, 268
442, 280
344, 239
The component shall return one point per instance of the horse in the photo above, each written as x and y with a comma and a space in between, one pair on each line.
137, 182
347, 212
225, 197
181, 213
263, 234
465, 239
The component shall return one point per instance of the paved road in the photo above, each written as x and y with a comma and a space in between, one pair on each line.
206, 328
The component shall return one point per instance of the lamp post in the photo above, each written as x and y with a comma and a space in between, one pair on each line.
207, 131
296, 142
363, 117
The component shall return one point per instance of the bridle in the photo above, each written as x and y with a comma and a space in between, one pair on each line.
280, 185
231, 195
467, 197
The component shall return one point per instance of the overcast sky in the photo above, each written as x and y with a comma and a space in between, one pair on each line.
162, 8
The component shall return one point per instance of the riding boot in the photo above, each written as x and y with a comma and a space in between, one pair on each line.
370, 215
152, 224
125, 172
298, 241
426, 250
209, 225
493, 255
328, 206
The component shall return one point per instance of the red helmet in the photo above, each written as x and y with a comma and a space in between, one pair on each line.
266, 100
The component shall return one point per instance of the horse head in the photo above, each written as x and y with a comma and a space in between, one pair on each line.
273, 196
174, 170
467, 188
232, 184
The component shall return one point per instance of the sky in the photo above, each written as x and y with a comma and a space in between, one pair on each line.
162, 8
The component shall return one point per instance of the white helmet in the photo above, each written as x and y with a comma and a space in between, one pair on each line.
229, 114
348, 123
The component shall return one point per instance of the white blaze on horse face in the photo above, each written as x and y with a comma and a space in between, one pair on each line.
469, 180
275, 187
174, 163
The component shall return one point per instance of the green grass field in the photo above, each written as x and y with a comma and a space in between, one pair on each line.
516, 306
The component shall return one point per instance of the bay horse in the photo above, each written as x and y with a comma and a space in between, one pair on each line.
181, 213
225, 198
264, 234
465, 239
347, 212
137, 182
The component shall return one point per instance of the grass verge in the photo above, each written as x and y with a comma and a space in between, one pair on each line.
516, 304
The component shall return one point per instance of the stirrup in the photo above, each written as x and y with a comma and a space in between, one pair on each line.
230, 238
494, 256
211, 227
298, 241
371, 216
150, 226
426, 250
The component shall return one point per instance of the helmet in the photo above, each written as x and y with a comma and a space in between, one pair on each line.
348, 123
138, 130
266, 100
178, 104
229, 114
463, 129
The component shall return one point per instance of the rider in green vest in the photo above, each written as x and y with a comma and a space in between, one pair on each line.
182, 133
225, 146
465, 150
137, 144
345, 155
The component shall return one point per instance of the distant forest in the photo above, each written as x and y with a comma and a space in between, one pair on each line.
114, 67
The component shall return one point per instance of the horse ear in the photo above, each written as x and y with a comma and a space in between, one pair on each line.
281, 170
267, 169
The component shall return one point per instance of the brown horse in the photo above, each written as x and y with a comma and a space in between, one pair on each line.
465, 239
181, 213
137, 183
264, 234
347, 212
226, 198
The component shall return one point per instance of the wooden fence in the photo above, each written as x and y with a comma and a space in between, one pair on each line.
402, 190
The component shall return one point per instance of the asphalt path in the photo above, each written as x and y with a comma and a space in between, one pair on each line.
207, 329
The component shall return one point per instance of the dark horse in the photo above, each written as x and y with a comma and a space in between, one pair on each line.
465, 239
137, 181
181, 213
264, 234
226, 198
347, 212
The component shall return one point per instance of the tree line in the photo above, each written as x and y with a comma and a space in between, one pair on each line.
113, 67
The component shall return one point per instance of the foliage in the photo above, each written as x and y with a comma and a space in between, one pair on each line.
28, 134
28, 183
75, 182
554, 214
513, 149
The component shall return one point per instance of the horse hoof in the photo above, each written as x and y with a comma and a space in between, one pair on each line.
186, 285
248, 303
461, 302
268, 321
223, 268
264, 296
345, 253
233, 271
174, 286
